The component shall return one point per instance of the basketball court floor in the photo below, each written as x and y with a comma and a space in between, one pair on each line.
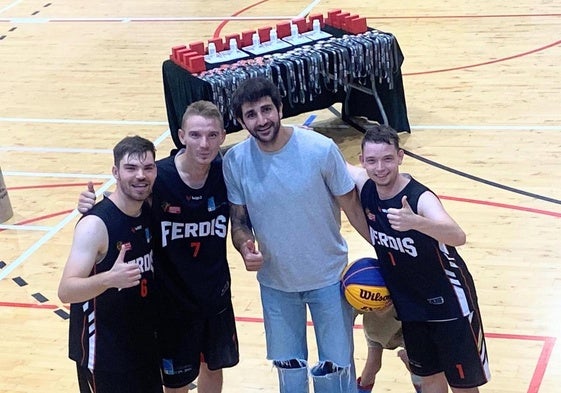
483, 93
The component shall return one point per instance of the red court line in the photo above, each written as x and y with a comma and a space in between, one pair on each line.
541, 364
502, 205
486, 62
30, 220
45, 217
225, 22
543, 359
52, 186
535, 382
28, 305
464, 16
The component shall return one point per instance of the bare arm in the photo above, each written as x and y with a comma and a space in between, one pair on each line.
359, 176
243, 238
353, 210
432, 220
241, 228
89, 246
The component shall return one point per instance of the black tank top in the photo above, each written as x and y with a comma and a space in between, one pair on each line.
192, 225
428, 280
115, 330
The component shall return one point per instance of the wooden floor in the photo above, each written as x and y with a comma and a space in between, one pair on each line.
483, 91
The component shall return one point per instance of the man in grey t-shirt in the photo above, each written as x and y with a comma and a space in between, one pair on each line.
286, 186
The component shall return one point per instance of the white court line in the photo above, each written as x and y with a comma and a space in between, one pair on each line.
54, 150
498, 127
46, 237
308, 9
80, 121
489, 128
302, 14
26, 227
54, 230
150, 19
55, 174
10, 6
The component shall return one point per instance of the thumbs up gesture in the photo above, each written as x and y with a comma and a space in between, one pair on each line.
124, 275
252, 257
86, 199
402, 219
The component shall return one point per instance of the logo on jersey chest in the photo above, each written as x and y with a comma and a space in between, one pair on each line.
169, 208
194, 197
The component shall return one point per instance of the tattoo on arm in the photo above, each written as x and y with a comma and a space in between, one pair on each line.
240, 225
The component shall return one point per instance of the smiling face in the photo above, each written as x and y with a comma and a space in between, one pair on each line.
262, 120
202, 137
381, 161
135, 175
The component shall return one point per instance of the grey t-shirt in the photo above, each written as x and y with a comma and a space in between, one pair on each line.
289, 195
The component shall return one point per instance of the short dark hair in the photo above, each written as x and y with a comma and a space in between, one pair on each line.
380, 133
133, 146
203, 108
252, 90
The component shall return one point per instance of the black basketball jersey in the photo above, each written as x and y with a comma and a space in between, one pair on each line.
428, 280
115, 330
191, 266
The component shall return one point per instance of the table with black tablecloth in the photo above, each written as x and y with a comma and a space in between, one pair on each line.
181, 88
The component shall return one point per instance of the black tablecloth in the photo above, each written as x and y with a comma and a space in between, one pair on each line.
181, 88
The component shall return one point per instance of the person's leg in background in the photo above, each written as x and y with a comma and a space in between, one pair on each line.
373, 364
415, 379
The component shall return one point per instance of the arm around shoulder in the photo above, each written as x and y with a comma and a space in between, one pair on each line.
358, 174
352, 207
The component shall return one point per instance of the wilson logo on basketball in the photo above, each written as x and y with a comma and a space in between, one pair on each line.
374, 296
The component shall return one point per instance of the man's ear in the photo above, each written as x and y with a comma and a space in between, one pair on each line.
181, 136
280, 111
115, 172
400, 154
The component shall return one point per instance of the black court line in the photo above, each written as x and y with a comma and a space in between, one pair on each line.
40, 298
37, 296
32, 14
61, 313
481, 180
20, 281
466, 175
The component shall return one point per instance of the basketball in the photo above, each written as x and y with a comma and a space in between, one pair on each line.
364, 287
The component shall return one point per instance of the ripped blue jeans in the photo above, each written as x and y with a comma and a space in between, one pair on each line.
285, 329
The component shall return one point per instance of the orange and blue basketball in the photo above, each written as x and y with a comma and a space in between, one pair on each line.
364, 287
